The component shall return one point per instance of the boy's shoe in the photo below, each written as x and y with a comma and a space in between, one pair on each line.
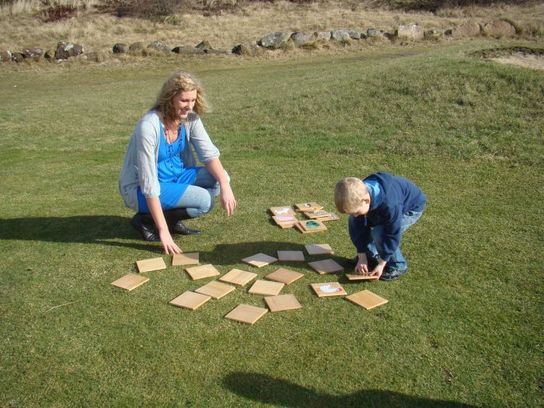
392, 273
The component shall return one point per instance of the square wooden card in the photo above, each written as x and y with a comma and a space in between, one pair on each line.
319, 249
259, 260
282, 302
284, 276
189, 258
310, 226
328, 289
309, 206
367, 299
285, 221
317, 215
291, 256
152, 264
283, 210
246, 313
215, 289
202, 271
267, 288
190, 300
238, 277
326, 266
130, 281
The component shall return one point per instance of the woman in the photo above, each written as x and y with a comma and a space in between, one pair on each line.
160, 179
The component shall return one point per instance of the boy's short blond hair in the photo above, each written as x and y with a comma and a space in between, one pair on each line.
349, 194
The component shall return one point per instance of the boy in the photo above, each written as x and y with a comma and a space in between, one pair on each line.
381, 208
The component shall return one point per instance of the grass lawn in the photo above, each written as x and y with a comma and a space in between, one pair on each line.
463, 327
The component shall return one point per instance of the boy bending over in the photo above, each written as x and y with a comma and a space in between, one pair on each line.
381, 208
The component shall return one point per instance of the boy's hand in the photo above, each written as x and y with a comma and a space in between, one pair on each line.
378, 270
362, 265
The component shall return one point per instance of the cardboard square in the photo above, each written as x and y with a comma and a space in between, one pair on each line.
215, 289
284, 276
367, 299
238, 277
291, 256
285, 221
189, 258
319, 249
310, 226
130, 281
246, 313
152, 264
326, 266
259, 260
202, 271
282, 302
283, 210
308, 206
359, 277
190, 300
328, 289
267, 288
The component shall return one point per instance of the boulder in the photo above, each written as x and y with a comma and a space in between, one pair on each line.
340, 36
301, 39
468, 29
17, 57
67, 50
34, 53
322, 35
49, 54
205, 46
159, 46
433, 34
181, 49
499, 29
250, 50
120, 48
5, 55
410, 32
275, 40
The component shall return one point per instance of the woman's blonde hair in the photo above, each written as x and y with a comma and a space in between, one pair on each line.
180, 81
349, 194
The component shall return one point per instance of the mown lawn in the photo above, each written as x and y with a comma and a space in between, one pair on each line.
464, 327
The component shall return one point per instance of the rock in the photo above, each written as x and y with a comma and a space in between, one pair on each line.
275, 40
120, 48
159, 46
345, 35
187, 50
17, 57
251, 50
468, 29
49, 54
322, 35
301, 39
410, 32
34, 53
67, 50
499, 29
433, 34
136, 47
374, 33
204, 46
5, 55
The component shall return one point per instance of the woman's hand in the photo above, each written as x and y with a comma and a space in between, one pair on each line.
228, 202
168, 244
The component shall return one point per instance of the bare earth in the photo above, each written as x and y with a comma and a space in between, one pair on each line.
523, 60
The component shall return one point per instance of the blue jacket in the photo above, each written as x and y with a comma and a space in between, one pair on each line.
398, 196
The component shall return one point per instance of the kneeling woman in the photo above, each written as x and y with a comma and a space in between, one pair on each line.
160, 179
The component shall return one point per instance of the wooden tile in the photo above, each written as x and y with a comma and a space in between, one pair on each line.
367, 299
130, 281
215, 289
317, 215
319, 249
152, 264
310, 226
358, 277
202, 271
330, 217
267, 288
328, 289
283, 210
189, 258
246, 313
291, 256
285, 221
309, 206
190, 300
238, 277
284, 276
259, 260
326, 266
282, 302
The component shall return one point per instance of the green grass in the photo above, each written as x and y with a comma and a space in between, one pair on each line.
463, 327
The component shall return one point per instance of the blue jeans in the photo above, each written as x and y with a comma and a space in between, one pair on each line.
356, 225
198, 198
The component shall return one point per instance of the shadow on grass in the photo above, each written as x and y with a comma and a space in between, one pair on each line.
96, 229
269, 390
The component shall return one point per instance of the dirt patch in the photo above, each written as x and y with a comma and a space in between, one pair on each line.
521, 56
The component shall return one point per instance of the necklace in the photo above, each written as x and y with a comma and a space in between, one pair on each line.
171, 132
